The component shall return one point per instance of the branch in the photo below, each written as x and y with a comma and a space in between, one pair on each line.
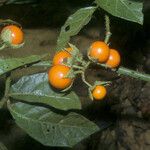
107, 26
129, 72
7, 87
133, 74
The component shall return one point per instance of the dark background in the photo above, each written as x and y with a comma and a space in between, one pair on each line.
127, 105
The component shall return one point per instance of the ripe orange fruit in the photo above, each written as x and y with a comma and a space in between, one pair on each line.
57, 77
61, 56
12, 34
114, 59
99, 92
100, 51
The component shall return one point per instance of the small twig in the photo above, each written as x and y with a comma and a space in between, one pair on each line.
78, 72
2, 102
107, 26
83, 74
83, 78
78, 67
87, 64
133, 74
7, 87
6, 94
129, 72
2, 46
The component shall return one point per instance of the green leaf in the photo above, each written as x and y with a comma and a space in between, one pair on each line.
8, 22
2, 146
49, 128
36, 89
126, 9
73, 25
21, 1
45, 63
9, 64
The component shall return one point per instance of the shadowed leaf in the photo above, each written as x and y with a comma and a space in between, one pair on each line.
35, 88
9, 64
73, 25
49, 128
125, 9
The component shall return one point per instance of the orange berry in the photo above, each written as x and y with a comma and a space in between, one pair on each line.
99, 92
12, 34
61, 56
57, 77
114, 59
100, 51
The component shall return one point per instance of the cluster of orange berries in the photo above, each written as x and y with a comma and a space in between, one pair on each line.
101, 52
98, 52
12, 35
58, 72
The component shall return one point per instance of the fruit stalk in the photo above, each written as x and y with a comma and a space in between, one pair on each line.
83, 74
7, 87
107, 26
133, 74
130, 72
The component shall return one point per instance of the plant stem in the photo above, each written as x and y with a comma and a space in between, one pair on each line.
133, 74
2, 102
7, 87
2, 46
107, 26
129, 72
78, 72
83, 78
83, 74
78, 67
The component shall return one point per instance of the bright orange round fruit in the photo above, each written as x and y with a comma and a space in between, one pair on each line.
12, 34
99, 92
99, 50
61, 56
57, 77
114, 59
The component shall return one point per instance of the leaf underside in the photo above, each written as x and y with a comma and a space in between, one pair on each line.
126, 9
36, 89
2, 146
73, 25
9, 64
49, 128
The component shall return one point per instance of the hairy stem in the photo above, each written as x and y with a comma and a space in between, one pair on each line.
7, 87
78, 67
83, 78
131, 73
2, 46
78, 72
83, 74
107, 26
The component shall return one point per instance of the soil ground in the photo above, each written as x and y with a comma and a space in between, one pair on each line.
127, 105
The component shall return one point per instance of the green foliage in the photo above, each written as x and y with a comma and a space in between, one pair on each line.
126, 9
36, 89
8, 22
134, 74
73, 25
49, 128
20, 1
42, 111
8, 64
45, 63
2, 146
